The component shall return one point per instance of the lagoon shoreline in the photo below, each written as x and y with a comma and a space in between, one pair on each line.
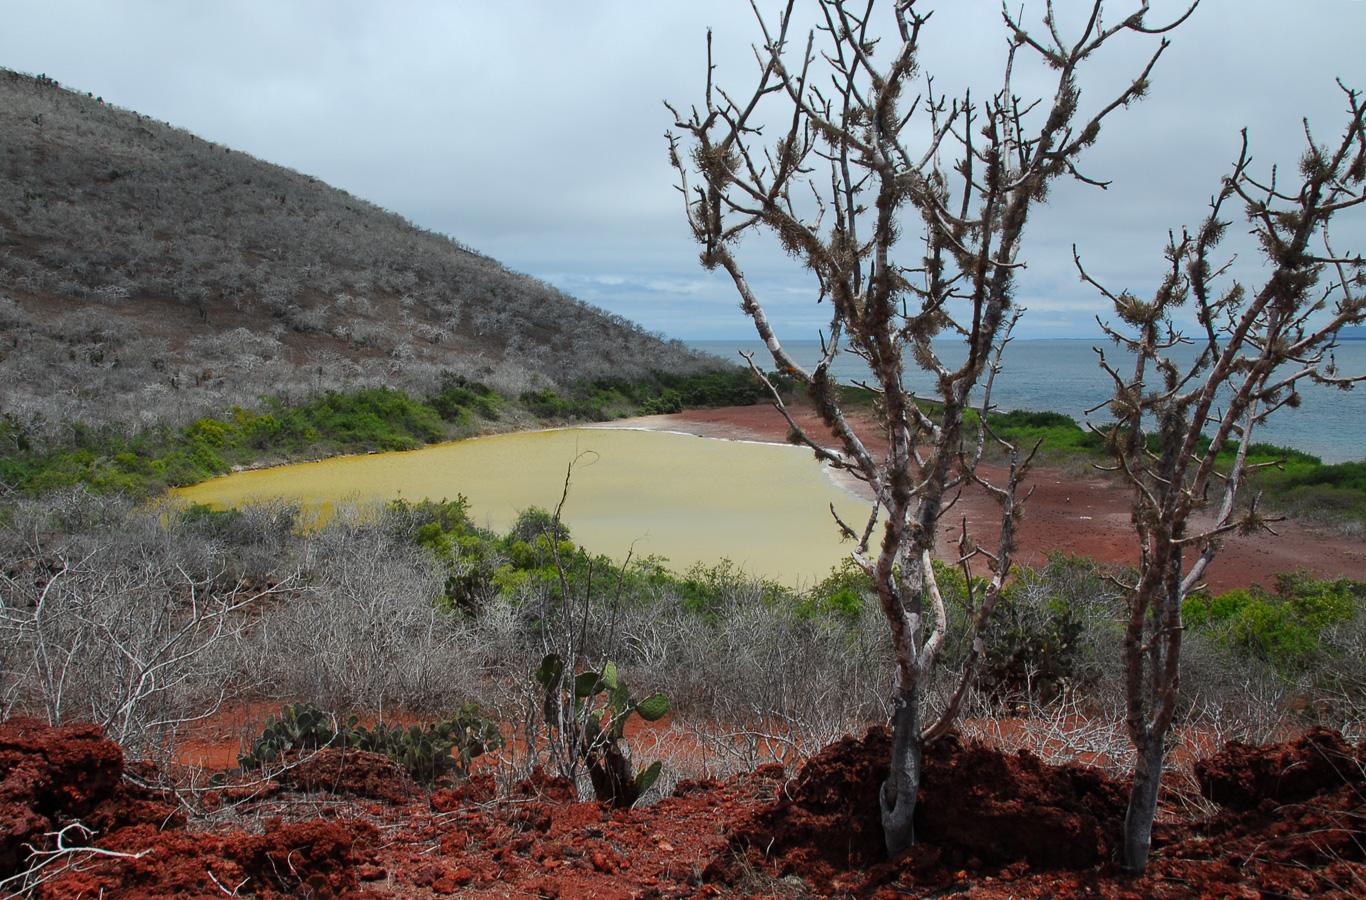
1069, 511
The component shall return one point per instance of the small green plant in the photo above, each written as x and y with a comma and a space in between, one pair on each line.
428, 752
591, 708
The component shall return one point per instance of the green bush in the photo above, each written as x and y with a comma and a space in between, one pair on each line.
471, 555
671, 401
1285, 627
844, 595
202, 518
706, 590
1032, 641
458, 399
534, 522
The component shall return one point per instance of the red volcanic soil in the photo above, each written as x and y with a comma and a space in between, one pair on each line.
992, 825
1086, 516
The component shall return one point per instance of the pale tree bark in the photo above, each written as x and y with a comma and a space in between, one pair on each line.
865, 152
1255, 349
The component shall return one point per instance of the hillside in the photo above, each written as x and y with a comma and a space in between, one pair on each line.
146, 274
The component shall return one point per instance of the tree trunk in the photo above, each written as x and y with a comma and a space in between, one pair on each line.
900, 790
1138, 821
613, 781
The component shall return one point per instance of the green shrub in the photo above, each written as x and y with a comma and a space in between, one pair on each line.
205, 519
671, 401
459, 398
1285, 627
706, 590
544, 403
1032, 641
843, 595
471, 555
374, 418
1320, 603
534, 522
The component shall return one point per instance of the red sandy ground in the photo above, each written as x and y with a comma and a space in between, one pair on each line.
1087, 516
1291, 822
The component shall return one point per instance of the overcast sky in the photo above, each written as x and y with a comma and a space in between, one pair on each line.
532, 130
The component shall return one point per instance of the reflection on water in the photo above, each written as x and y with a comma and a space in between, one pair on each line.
690, 499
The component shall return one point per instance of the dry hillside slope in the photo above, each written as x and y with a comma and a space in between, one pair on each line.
148, 274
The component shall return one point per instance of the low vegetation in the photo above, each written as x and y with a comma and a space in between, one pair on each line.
1291, 626
144, 461
145, 618
429, 752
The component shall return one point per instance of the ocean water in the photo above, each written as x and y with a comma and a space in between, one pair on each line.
1065, 376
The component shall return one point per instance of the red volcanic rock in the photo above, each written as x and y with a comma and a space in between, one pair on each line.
994, 825
551, 788
1002, 808
479, 788
1241, 776
48, 777
304, 859
977, 806
52, 777
356, 772
314, 859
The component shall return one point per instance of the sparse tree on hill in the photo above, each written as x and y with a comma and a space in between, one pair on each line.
1246, 355
865, 150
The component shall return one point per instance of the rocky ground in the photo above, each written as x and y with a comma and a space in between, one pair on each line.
1287, 820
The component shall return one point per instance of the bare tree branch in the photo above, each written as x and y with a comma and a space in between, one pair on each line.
852, 104
1258, 347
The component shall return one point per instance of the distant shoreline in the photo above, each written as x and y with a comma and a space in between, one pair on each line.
1062, 375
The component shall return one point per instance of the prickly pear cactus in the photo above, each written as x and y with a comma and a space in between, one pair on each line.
601, 702
300, 727
653, 708
428, 752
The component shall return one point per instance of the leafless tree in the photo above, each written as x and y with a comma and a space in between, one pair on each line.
119, 628
1248, 354
367, 633
866, 151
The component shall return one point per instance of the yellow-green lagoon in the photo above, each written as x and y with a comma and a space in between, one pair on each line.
766, 507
